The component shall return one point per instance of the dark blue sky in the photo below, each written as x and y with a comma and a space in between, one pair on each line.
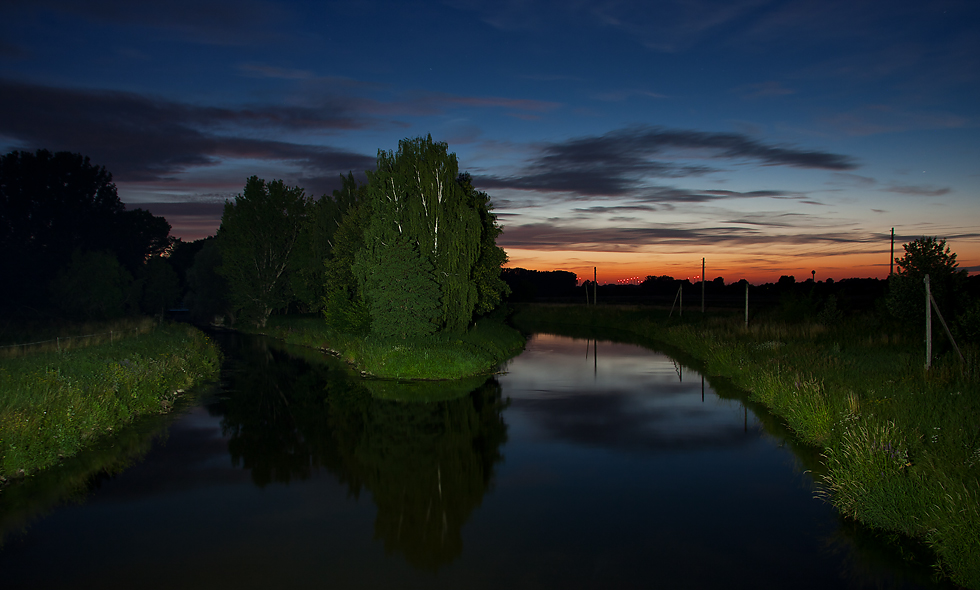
770, 137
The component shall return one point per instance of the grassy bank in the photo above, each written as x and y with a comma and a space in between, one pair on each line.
901, 445
55, 403
443, 356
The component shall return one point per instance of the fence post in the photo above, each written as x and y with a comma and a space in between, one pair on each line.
928, 324
58, 340
680, 308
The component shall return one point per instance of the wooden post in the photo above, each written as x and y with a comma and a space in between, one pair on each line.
746, 304
680, 308
928, 323
942, 322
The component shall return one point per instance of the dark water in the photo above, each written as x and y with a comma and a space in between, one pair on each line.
585, 465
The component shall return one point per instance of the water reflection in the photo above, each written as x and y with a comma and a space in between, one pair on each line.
624, 397
426, 465
623, 468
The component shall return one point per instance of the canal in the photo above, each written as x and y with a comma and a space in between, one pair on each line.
583, 464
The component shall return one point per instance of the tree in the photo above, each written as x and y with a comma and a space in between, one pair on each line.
343, 303
906, 288
317, 243
490, 288
404, 296
94, 286
207, 291
257, 236
414, 198
54, 204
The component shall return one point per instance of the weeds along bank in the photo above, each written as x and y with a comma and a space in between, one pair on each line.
52, 404
478, 350
902, 446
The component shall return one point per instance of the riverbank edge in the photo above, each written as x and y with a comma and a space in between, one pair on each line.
58, 404
441, 357
947, 520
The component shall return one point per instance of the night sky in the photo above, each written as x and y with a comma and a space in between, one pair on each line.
769, 137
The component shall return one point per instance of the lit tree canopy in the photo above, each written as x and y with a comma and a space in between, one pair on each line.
416, 202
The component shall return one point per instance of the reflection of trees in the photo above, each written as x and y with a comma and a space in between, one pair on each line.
427, 465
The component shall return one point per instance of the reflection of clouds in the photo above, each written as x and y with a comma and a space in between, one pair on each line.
626, 397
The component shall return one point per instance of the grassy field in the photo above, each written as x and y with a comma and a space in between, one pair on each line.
901, 445
443, 356
52, 404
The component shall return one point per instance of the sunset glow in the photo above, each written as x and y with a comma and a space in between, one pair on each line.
635, 138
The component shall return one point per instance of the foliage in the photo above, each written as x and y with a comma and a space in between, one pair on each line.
343, 305
402, 294
317, 243
258, 233
94, 286
207, 290
57, 403
925, 256
490, 288
414, 195
54, 204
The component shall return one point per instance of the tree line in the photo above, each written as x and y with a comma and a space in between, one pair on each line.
409, 253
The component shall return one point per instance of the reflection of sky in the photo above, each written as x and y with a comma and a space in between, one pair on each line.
623, 396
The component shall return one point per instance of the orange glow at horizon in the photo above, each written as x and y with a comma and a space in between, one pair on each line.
756, 267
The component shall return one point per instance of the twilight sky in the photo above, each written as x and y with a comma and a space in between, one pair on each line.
770, 137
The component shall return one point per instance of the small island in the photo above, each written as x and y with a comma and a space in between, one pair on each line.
399, 276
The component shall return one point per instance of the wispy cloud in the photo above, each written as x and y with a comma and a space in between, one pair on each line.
763, 90
884, 118
920, 191
541, 236
140, 138
259, 70
621, 162
214, 22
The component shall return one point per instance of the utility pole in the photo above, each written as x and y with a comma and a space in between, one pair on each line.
891, 259
595, 285
702, 285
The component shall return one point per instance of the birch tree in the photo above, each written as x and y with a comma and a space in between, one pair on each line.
415, 200
257, 237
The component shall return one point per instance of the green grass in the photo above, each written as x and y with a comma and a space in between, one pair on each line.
901, 445
478, 351
54, 404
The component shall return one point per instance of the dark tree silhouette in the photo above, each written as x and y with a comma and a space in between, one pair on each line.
52, 205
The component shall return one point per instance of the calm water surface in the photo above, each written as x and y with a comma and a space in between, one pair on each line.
585, 465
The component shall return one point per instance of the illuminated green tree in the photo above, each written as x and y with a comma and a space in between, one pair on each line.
490, 287
414, 198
